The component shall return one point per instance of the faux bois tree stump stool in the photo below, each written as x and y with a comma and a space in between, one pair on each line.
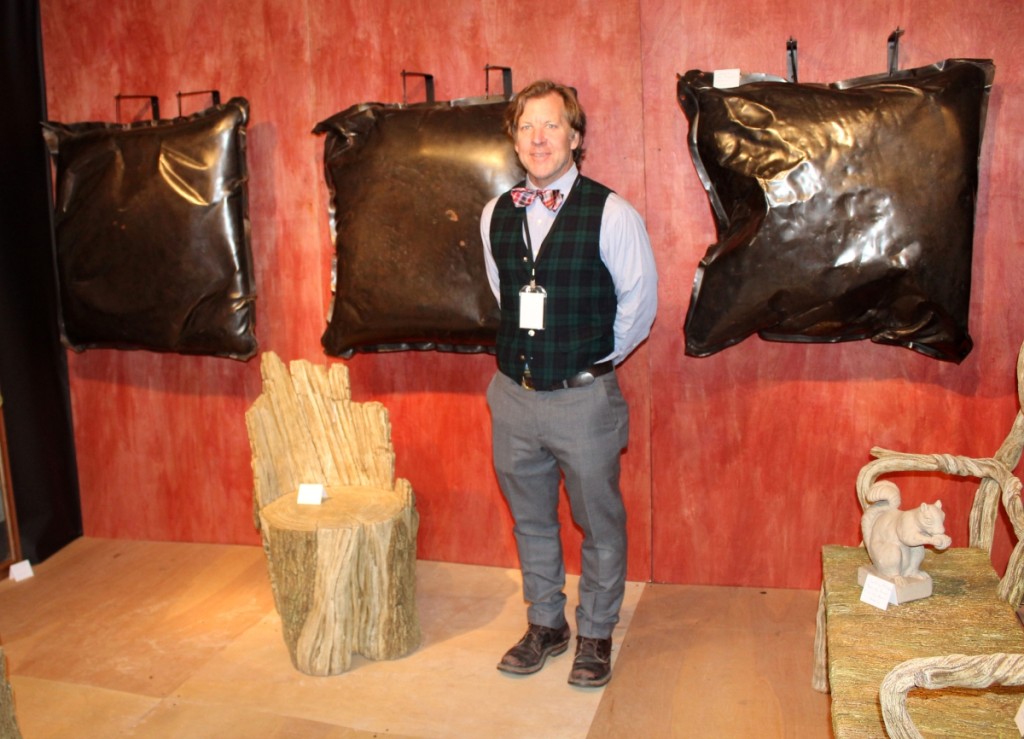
343, 572
8, 723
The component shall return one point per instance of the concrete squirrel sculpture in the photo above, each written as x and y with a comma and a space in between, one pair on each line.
895, 539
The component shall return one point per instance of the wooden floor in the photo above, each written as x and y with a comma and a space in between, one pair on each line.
142, 639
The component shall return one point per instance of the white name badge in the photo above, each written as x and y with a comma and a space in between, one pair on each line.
531, 307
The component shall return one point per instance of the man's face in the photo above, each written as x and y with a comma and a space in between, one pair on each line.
544, 140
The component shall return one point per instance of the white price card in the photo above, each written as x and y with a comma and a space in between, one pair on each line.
878, 592
21, 570
1019, 718
726, 78
310, 494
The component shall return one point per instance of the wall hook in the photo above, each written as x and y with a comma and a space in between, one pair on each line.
894, 50
154, 104
506, 80
214, 94
428, 80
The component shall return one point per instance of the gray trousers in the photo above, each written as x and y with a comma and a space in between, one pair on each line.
538, 438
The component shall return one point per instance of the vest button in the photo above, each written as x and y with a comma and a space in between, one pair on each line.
531, 332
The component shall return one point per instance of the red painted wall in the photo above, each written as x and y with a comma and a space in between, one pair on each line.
740, 465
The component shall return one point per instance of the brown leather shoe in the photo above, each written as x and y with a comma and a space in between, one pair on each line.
539, 643
592, 666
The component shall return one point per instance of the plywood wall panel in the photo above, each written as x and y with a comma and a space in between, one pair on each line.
740, 465
440, 420
756, 449
160, 439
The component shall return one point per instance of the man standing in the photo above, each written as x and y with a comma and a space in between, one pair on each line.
571, 265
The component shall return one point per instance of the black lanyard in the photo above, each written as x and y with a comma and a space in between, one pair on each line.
554, 223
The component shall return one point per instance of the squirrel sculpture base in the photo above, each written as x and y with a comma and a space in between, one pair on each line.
910, 588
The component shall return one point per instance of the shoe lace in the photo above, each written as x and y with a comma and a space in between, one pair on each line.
590, 649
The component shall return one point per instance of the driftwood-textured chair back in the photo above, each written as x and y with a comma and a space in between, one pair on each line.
343, 572
304, 428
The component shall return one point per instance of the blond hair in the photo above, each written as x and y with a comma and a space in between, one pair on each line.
573, 110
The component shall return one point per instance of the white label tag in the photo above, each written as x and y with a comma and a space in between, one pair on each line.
1019, 718
726, 78
21, 570
878, 592
531, 308
310, 494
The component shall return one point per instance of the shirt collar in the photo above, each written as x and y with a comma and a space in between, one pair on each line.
563, 184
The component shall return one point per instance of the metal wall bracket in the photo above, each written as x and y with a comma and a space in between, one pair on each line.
154, 104
894, 50
506, 80
214, 95
791, 72
428, 81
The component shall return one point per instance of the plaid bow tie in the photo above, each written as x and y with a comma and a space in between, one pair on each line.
523, 196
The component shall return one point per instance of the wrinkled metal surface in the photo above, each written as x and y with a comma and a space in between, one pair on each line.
842, 211
152, 233
407, 185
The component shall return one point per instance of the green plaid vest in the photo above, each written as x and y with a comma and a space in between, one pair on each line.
580, 310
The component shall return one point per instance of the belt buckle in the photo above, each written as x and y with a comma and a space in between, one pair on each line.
584, 378
580, 379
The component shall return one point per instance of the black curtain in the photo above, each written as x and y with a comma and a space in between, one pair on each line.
33, 364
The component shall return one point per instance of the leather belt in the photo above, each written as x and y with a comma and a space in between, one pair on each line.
580, 379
